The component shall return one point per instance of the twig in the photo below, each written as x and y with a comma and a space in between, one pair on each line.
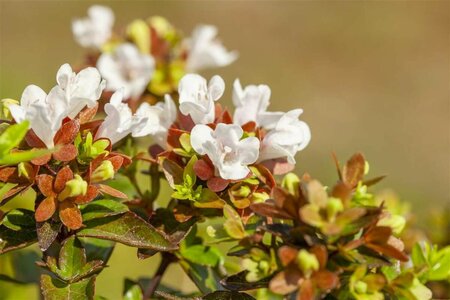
166, 260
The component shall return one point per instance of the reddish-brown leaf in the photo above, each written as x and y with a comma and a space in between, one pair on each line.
353, 171
67, 133
45, 184
91, 126
42, 160
116, 161
285, 201
172, 171
155, 150
267, 176
282, 284
91, 194
203, 170
70, 215
64, 175
249, 126
33, 141
287, 255
378, 235
217, 184
173, 137
306, 290
342, 191
66, 153
105, 189
46, 209
325, 280
268, 209
321, 253
317, 194
388, 250
278, 166
87, 114
13, 192
9, 174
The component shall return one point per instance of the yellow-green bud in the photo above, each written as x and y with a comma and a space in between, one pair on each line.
139, 32
210, 231
5, 114
103, 172
360, 287
307, 262
243, 192
396, 222
259, 197
74, 187
291, 182
334, 206
161, 25
366, 167
24, 169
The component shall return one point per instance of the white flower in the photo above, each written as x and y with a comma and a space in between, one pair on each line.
289, 136
126, 68
205, 51
119, 121
44, 118
229, 154
94, 30
77, 90
67, 99
197, 97
159, 119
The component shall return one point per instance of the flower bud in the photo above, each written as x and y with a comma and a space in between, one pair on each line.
74, 187
162, 26
291, 182
361, 287
307, 262
5, 114
334, 206
24, 169
243, 192
396, 222
139, 33
103, 172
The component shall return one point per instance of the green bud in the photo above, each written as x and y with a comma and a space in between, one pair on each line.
366, 167
360, 287
5, 114
139, 32
210, 231
243, 192
307, 262
74, 187
103, 172
396, 222
23, 170
291, 182
334, 206
259, 197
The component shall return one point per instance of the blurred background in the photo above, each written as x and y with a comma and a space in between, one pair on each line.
370, 76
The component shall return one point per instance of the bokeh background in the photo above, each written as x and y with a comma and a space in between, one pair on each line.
370, 76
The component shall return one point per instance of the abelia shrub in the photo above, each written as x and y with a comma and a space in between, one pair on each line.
238, 221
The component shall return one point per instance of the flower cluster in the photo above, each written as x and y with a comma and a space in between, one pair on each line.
151, 57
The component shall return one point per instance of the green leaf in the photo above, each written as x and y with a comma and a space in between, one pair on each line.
189, 176
233, 223
72, 258
132, 290
128, 229
55, 289
97, 249
21, 236
440, 268
418, 256
18, 219
102, 208
12, 136
205, 278
185, 141
22, 156
227, 295
202, 255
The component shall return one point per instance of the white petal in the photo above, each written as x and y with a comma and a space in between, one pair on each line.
32, 94
64, 75
248, 150
216, 87
200, 135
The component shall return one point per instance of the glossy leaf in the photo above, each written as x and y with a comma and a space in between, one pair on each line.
55, 289
102, 208
128, 229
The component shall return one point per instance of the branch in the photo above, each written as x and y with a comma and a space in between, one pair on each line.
166, 260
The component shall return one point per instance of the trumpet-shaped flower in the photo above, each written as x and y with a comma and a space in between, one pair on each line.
75, 91
94, 30
206, 51
119, 121
159, 119
288, 136
41, 111
230, 154
126, 67
197, 97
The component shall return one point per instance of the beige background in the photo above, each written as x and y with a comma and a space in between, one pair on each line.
370, 76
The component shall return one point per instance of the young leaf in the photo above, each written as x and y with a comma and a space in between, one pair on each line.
55, 289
